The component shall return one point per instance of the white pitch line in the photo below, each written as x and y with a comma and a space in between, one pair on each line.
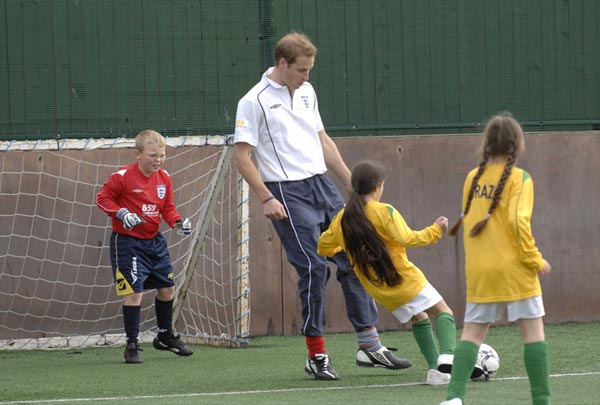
274, 391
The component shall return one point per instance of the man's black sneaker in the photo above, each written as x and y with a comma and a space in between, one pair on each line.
320, 368
132, 353
173, 344
381, 358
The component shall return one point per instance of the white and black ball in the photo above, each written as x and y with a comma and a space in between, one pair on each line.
487, 364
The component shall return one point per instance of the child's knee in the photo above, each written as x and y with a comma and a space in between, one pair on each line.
421, 316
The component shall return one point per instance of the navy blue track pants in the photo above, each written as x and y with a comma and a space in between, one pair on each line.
310, 205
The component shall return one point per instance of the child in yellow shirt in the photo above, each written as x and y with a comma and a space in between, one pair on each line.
502, 262
375, 237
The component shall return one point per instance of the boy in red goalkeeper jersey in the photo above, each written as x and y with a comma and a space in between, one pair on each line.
136, 197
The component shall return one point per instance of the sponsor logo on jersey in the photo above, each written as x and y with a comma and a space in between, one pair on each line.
274, 106
162, 190
137, 190
241, 124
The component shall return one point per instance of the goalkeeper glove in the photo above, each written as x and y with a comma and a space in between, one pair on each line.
183, 226
129, 219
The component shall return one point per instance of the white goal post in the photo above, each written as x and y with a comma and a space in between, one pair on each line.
56, 286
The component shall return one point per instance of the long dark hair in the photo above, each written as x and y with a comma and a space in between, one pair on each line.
502, 136
364, 246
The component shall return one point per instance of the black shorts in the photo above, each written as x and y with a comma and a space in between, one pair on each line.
140, 264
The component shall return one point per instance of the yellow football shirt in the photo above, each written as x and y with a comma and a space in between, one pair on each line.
501, 263
397, 236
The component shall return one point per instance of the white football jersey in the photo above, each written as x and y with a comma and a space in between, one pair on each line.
283, 130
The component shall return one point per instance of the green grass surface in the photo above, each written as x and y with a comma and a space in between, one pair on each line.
270, 371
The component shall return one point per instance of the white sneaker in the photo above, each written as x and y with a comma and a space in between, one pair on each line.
453, 401
444, 363
435, 377
320, 368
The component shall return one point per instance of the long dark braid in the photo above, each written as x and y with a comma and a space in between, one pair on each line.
478, 227
365, 248
503, 136
454, 229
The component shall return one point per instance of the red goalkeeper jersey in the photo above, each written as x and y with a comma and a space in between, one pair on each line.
149, 197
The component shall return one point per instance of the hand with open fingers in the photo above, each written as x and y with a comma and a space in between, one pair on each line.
128, 218
183, 226
443, 223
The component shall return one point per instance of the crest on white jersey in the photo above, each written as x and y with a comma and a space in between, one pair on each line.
162, 190
305, 99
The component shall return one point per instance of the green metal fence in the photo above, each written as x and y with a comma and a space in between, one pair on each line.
87, 68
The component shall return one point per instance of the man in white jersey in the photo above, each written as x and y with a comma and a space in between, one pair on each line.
278, 120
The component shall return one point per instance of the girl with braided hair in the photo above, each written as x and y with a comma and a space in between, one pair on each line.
502, 262
375, 237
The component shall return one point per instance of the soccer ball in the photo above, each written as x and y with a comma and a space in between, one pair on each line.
487, 363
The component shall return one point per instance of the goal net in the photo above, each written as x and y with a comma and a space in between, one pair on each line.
56, 285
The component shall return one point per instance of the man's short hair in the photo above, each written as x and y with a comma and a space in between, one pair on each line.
293, 45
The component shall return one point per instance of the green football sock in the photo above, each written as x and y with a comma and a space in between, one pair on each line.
423, 333
537, 364
465, 356
445, 330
